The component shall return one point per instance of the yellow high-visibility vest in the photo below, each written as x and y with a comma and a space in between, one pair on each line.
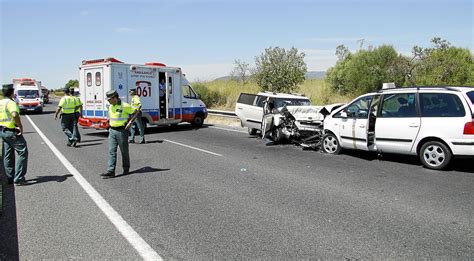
136, 104
7, 106
118, 114
67, 104
78, 103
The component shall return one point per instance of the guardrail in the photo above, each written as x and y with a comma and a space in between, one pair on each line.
229, 114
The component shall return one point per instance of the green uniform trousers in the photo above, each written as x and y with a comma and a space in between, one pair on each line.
14, 144
67, 124
139, 124
118, 137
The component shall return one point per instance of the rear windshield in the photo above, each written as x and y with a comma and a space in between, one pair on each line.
280, 102
28, 93
471, 96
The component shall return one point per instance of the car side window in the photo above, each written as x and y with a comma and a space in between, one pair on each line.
246, 98
358, 109
398, 105
441, 105
260, 100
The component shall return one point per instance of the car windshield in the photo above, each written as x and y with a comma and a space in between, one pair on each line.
280, 102
28, 93
471, 96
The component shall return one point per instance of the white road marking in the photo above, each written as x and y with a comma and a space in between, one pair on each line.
142, 247
213, 127
187, 146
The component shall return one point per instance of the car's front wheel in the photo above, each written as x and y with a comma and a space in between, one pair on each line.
252, 131
330, 144
435, 155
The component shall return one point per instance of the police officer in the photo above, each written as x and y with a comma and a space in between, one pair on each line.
77, 115
119, 112
67, 107
137, 105
11, 133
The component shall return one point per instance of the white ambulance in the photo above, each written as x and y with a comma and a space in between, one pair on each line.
28, 94
176, 103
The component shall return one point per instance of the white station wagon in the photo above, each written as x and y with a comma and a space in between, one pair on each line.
435, 123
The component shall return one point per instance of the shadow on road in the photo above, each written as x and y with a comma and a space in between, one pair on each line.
8, 223
141, 170
80, 145
43, 179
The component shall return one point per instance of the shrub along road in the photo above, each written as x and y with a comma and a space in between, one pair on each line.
214, 194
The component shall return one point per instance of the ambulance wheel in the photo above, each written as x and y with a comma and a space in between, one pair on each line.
330, 144
198, 120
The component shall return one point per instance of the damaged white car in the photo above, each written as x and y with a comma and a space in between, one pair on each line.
302, 125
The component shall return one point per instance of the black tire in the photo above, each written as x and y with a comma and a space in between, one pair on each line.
435, 155
330, 144
252, 131
198, 121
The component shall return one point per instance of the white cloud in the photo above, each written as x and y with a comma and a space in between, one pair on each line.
123, 29
84, 12
206, 72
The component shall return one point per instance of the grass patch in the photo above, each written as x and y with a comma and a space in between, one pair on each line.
224, 94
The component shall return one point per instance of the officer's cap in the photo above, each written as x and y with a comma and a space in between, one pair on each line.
7, 87
111, 94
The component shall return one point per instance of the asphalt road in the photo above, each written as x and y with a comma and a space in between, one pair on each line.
235, 198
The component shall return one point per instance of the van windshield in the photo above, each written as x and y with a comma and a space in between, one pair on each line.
28, 93
471, 96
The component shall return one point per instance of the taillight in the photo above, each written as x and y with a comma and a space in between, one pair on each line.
469, 128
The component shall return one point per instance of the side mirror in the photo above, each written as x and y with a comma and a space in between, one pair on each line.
344, 115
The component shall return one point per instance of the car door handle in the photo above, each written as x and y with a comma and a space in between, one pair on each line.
240, 108
414, 125
185, 102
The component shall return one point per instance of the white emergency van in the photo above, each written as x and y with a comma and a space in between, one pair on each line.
28, 94
177, 103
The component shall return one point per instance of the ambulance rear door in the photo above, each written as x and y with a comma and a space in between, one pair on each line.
94, 92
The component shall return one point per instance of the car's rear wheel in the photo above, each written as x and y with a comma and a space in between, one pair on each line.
330, 144
435, 155
252, 131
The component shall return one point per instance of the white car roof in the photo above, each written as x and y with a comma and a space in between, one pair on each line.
282, 95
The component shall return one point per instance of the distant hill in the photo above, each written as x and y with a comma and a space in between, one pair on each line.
308, 75
315, 75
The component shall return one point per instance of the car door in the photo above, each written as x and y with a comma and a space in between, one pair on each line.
398, 123
353, 128
246, 110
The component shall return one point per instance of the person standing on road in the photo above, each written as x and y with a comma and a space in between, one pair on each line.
77, 115
11, 133
67, 106
119, 123
137, 105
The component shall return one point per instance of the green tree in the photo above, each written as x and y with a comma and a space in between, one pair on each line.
366, 71
444, 64
279, 70
72, 83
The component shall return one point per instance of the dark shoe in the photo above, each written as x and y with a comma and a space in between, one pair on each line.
107, 175
131, 141
74, 144
21, 182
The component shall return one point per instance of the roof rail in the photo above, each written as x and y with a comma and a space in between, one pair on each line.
422, 87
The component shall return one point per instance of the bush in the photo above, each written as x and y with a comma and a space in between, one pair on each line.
210, 97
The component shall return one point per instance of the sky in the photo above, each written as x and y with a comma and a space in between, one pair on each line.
47, 40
